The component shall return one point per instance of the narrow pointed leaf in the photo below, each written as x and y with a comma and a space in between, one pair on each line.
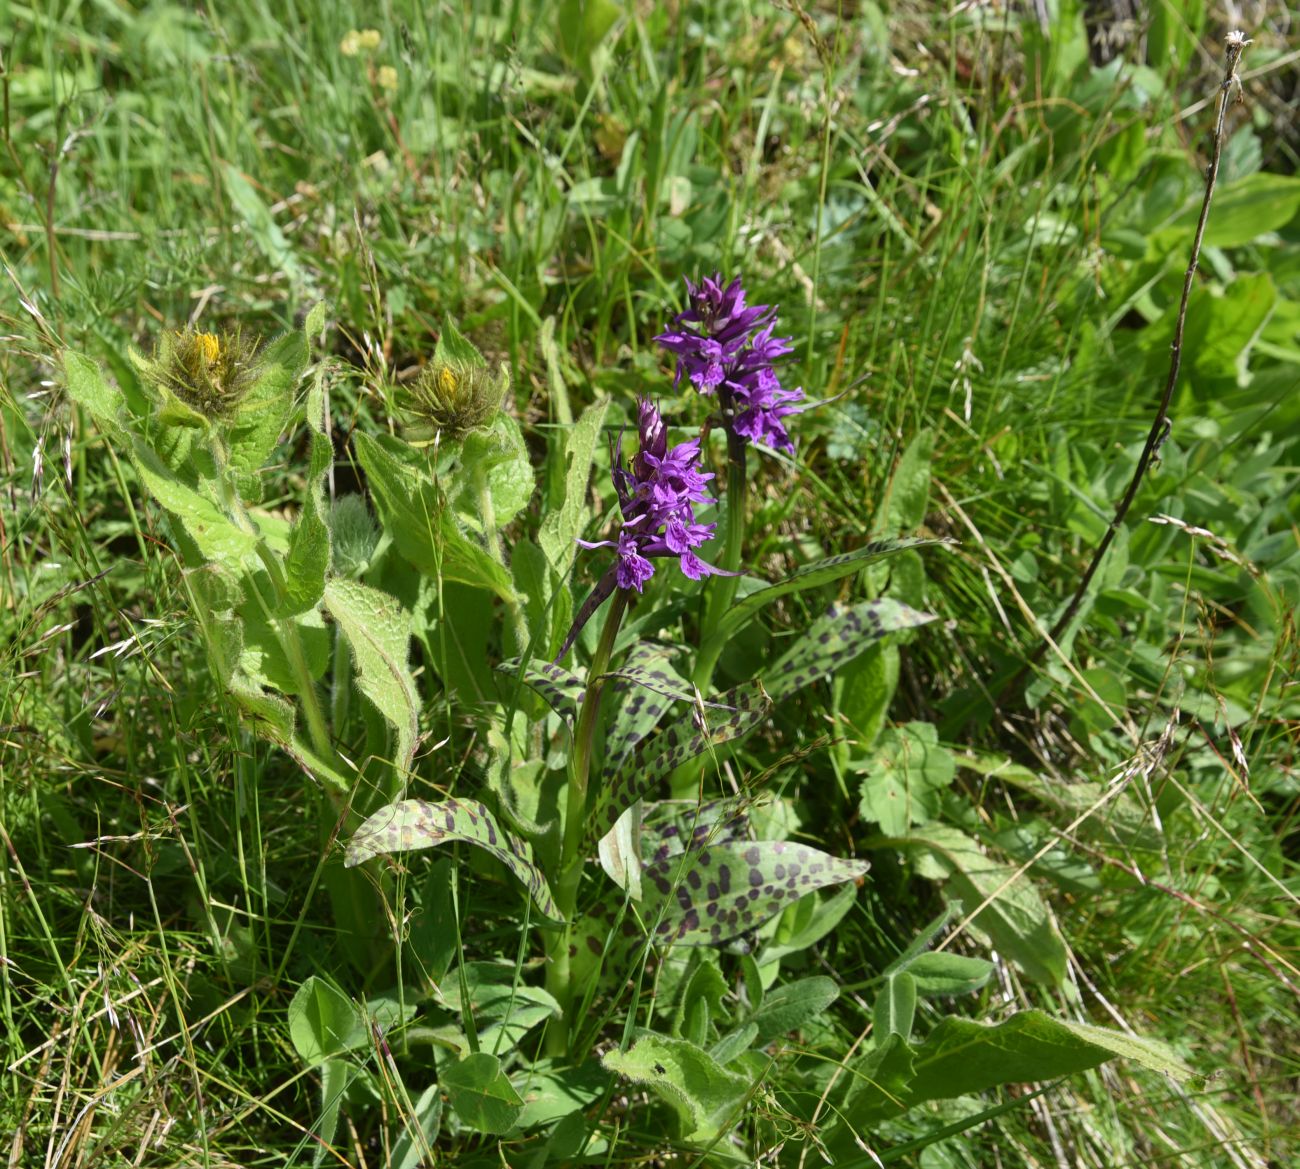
637, 715
835, 639
563, 524
414, 824
743, 709
651, 669
562, 690
810, 576
378, 631
309, 541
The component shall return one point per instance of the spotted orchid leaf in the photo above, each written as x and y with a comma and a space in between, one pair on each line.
562, 690
810, 576
648, 666
672, 828
640, 711
835, 639
743, 708
720, 892
408, 825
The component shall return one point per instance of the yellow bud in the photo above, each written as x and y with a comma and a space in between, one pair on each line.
208, 346
369, 39
387, 77
350, 45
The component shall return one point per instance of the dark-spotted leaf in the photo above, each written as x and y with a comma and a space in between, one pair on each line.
414, 824
562, 690
810, 576
743, 708
835, 639
707, 1096
639, 712
651, 669
720, 892
378, 631
481, 1093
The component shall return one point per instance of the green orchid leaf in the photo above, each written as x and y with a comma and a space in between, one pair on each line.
834, 640
810, 576
562, 690
741, 710
414, 824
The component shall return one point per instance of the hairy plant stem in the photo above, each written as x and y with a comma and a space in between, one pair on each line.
722, 589
575, 826
290, 640
1160, 425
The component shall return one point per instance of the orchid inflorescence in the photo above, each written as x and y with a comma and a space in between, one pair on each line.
726, 347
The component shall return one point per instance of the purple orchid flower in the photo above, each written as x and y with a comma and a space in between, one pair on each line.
725, 346
657, 493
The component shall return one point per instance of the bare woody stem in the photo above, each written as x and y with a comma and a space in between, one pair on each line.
1236, 44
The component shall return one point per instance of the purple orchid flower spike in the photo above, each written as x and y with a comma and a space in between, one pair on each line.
725, 346
657, 494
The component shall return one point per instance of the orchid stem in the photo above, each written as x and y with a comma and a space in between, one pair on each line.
575, 826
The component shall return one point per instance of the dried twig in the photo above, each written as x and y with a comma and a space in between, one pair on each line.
1235, 43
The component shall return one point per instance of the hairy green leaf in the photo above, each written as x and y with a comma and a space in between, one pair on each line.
565, 523
378, 631
706, 1096
789, 1006
308, 559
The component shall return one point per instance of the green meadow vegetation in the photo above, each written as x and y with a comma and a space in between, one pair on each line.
384, 778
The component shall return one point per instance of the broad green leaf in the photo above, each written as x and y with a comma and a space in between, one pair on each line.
1225, 327
481, 1093
735, 1043
566, 522
810, 576
836, 639
619, 851
269, 405
421, 524
550, 1093
742, 709
961, 1056
505, 1010
89, 388
908, 496
414, 824
562, 690
220, 540
706, 1096
789, 1006
323, 1022
308, 559
722, 891
902, 779
941, 973
431, 938
454, 348
1245, 209
1010, 910
378, 631
895, 1006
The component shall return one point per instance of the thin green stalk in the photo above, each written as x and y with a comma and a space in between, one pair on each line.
575, 826
488, 514
722, 589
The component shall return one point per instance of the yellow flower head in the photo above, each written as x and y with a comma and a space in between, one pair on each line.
452, 398
210, 373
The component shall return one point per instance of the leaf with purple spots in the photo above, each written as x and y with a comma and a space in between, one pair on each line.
836, 639
810, 576
744, 708
650, 669
720, 892
561, 689
640, 711
414, 824
671, 828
